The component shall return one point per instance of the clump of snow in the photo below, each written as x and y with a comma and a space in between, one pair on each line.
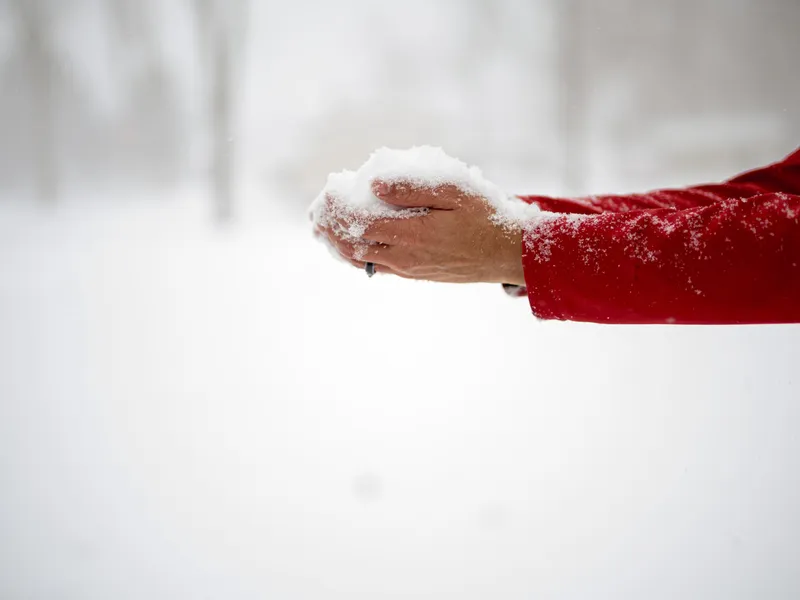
348, 205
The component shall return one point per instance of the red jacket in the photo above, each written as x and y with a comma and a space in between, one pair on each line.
725, 253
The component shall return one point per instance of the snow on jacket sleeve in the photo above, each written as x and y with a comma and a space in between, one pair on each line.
710, 254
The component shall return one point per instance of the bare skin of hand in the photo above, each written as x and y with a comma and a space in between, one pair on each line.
456, 241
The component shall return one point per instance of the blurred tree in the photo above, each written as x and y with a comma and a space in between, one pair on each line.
479, 48
149, 139
35, 40
221, 26
573, 93
504, 54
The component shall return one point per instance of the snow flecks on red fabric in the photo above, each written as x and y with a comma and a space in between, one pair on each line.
731, 261
539, 233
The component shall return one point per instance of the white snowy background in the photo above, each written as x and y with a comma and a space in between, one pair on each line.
196, 402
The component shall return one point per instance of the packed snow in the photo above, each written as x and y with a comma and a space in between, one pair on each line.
347, 197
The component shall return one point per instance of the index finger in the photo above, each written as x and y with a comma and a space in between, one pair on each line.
383, 231
408, 194
394, 231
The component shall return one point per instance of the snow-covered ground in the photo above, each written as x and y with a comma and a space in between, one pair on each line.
198, 412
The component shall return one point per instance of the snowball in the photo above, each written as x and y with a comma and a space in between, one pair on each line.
354, 204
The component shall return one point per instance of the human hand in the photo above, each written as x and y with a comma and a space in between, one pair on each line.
456, 241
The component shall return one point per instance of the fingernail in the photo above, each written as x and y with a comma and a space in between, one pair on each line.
381, 189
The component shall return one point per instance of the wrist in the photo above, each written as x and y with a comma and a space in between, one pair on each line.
510, 268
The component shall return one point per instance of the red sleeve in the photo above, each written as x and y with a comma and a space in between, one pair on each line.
727, 253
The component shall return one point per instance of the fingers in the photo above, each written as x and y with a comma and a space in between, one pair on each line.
358, 254
388, 243
378, 268
408, 195
344, 222
362, 252
389, 232
379, 254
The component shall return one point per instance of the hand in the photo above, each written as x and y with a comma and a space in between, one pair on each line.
456, 241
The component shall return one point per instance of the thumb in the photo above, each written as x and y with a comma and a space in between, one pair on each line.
411, 195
